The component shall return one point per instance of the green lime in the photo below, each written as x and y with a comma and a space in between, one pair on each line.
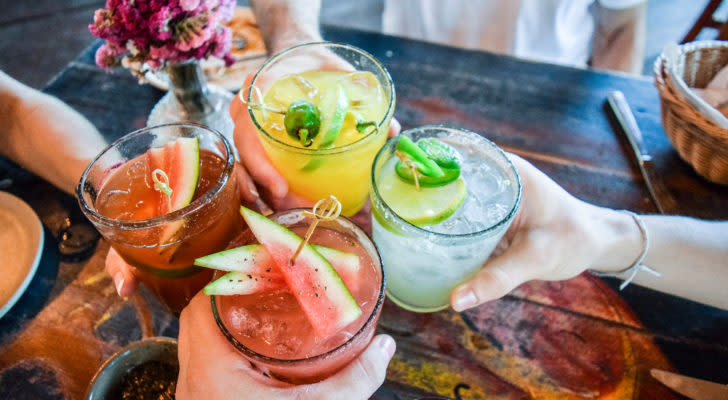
427, 206
333, 106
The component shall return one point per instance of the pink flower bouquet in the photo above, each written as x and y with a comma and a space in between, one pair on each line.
152, 34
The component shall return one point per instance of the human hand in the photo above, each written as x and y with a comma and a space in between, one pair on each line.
273, 187
211, 368
554, 236
121, 272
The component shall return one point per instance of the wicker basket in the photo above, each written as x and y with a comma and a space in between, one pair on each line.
701, 142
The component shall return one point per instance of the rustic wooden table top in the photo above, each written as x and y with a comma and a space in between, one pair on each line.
573, 339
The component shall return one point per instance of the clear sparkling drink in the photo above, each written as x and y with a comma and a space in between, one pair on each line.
425, 263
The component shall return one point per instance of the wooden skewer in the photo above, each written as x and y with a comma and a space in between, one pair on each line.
324, 210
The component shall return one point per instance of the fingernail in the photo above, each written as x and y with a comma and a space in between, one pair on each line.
386, 343
119, 282
280, 191
464, 299
253, 191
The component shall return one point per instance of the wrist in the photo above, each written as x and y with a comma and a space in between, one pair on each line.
284, 24
621, 240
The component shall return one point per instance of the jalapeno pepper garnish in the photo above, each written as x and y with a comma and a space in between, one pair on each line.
302, 121
444, 157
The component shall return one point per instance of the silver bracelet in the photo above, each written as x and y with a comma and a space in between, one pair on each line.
637, 266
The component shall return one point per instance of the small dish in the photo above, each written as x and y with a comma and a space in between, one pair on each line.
21, 246
110, 376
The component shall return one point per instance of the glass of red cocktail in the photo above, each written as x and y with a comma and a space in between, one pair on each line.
269, 327
160, 235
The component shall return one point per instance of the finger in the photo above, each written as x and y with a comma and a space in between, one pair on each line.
246, 187
253, 155
121, 273
394, 128
362, 377
498, 277
290, 200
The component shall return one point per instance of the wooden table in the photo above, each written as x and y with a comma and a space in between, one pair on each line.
572, 339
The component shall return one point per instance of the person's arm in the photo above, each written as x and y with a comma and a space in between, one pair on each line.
45, 135
690, 254
556, 236
619, 37
284, 23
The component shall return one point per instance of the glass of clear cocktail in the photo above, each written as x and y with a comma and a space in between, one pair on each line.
355, 98
117, 193
434, 238
270, 328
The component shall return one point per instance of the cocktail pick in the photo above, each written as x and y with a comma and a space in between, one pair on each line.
162, 185
409, 164
327, 209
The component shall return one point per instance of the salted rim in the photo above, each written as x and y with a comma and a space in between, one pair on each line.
391, 142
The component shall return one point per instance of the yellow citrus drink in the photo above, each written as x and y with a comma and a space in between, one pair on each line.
354, 107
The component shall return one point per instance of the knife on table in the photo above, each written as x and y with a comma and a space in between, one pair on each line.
696, 389
658, 192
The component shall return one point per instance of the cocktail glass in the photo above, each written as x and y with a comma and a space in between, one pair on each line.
271, 330
116, 188
315, 173
424, 264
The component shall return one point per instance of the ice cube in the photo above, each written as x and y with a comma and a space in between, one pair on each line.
244, 322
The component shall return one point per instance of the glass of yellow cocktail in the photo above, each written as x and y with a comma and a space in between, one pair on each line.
322, 111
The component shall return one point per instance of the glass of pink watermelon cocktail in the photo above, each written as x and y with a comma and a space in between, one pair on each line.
160, 239
292, 336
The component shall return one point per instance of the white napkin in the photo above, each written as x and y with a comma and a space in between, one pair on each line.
675, 67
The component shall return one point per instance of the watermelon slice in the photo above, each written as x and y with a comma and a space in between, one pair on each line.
180, 161
237, 282
322, 295
254, 259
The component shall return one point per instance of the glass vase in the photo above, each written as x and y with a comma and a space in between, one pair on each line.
190, 98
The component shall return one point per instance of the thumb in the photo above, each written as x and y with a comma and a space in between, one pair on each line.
498, 277
362, 377
121, 273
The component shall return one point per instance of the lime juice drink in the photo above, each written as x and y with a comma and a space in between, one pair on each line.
298, 322
436, 233
322, 111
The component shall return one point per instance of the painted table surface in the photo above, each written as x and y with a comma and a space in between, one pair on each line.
574, 339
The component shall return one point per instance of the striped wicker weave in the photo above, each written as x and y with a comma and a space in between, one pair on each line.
700, 142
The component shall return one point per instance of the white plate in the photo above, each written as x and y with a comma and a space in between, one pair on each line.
21, 245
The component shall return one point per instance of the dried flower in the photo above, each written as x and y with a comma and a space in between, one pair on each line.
156, 33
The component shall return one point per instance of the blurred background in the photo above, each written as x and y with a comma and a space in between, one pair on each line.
39, 37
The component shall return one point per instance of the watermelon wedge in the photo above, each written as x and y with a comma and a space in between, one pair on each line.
237, 282
321, 293
254, 259
180, 162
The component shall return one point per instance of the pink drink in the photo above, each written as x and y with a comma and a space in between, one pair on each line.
270, 328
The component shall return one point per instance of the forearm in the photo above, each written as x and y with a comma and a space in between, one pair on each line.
284, 23
619, 39
691, 255
44, 135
